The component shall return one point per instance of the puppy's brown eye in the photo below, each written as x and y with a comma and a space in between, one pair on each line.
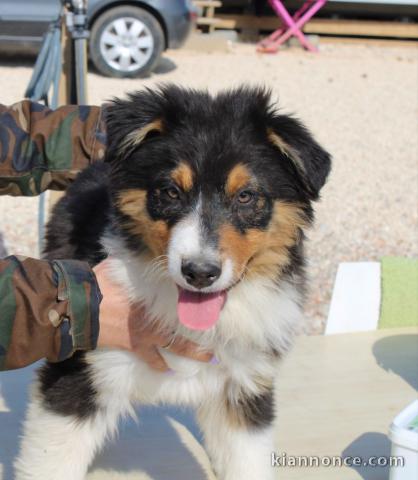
173, 193
245, 196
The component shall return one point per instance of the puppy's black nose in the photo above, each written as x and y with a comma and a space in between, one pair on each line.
200, 274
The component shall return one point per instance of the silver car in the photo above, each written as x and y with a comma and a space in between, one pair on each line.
126, 39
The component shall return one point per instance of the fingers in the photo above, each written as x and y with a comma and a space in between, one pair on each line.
189, 349
152, 358
145, 341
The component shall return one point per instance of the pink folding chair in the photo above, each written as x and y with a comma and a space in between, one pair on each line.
291, 26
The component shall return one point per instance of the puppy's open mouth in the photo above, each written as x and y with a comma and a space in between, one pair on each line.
199, 311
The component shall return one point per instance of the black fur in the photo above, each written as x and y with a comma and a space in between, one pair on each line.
255, 411
258, 410
316, 162
80, 218
67, 388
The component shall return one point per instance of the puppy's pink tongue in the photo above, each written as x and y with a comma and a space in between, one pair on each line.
199, 311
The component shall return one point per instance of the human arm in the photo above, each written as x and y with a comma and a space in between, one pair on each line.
47, 309
44, 149
52, 309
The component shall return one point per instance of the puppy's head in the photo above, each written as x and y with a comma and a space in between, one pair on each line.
220, 187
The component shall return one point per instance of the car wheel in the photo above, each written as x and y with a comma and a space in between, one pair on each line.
126, 42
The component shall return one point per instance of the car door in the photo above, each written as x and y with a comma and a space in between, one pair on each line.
26, 20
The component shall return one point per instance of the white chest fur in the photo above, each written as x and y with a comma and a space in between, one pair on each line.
258, 316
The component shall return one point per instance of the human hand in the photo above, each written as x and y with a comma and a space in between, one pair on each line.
122, 326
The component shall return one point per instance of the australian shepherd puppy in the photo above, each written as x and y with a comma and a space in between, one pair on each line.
201, 205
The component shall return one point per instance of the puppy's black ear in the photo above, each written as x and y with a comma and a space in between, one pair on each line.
130, 122
311, 162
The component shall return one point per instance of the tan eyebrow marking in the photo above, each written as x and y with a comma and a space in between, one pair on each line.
238, 177
183, 176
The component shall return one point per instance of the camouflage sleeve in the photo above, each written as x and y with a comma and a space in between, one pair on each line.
44, 149
48, 309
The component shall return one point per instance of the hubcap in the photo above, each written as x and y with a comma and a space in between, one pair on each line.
126, 44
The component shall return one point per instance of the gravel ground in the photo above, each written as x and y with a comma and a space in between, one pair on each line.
361, 102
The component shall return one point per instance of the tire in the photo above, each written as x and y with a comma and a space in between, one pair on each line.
126, 42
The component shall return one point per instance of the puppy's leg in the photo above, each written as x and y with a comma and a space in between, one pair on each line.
75, 405
56, 446
239, 436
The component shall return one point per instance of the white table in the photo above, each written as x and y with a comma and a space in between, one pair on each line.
337, 396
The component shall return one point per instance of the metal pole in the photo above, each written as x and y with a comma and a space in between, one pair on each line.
64, 91
80, 34
81, 68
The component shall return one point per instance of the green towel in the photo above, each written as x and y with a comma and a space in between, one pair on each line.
399, 292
